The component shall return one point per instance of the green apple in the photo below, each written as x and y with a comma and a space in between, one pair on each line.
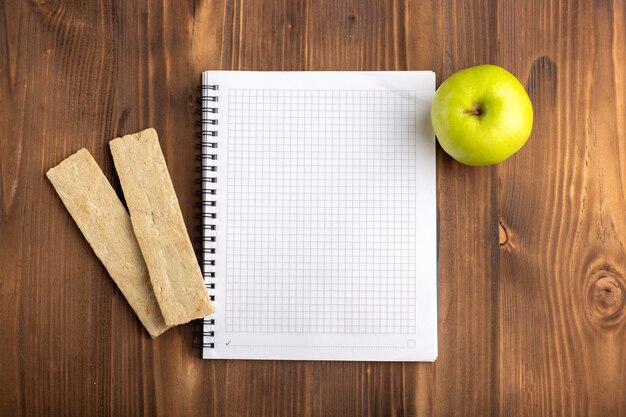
482, 115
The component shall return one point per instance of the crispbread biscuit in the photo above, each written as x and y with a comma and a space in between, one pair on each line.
159, 227
104, 222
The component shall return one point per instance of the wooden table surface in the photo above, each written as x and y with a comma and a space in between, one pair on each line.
531, 251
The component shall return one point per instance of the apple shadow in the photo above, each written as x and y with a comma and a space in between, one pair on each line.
423, 126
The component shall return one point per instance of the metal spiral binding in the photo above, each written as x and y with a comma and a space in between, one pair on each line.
207, 111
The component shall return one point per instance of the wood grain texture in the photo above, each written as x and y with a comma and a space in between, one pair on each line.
531, 257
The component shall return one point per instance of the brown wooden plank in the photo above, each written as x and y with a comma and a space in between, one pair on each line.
561, 287
468, 266
159, 46
60, 297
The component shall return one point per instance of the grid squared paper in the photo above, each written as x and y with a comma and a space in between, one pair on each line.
321, 215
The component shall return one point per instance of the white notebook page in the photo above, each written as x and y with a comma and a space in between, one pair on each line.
326, 216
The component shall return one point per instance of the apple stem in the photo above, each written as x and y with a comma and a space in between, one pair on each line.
475, 112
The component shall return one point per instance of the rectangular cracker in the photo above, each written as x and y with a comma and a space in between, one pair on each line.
159, 227
104, 222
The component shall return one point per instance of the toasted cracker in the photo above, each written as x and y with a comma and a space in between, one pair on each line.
159, 227
106, 225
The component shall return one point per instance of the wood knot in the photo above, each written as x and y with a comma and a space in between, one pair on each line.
504, 236
605, 298
608, 296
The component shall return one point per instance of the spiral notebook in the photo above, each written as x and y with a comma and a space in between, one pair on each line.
318, 208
